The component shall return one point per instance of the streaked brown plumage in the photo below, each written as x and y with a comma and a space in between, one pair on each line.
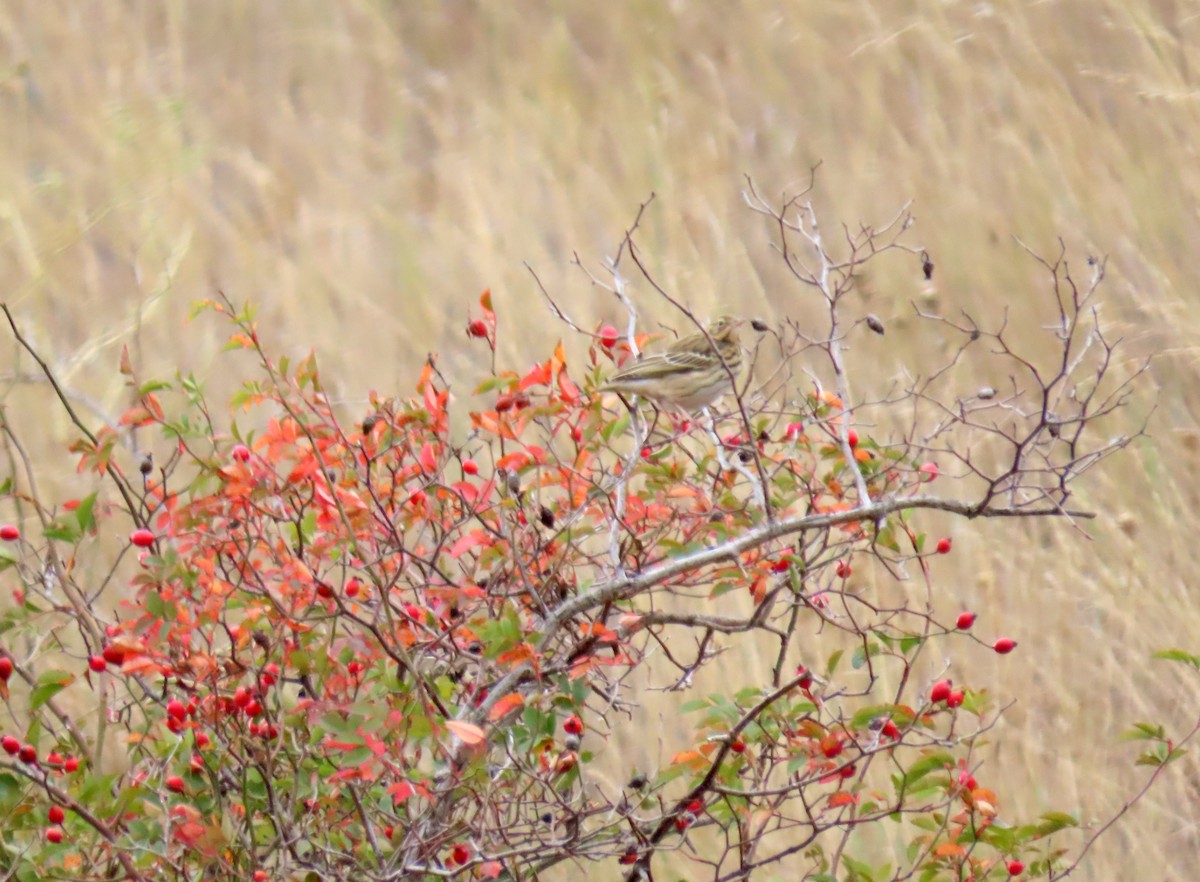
688, 374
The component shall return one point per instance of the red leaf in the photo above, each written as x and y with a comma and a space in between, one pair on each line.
400, 792
428, 458
505, 705
539, 376
466, 543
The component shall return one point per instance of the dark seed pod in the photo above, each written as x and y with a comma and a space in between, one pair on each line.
637, 782
146, 466
369, 423
926, 265
875, 324
759, 325
546, 516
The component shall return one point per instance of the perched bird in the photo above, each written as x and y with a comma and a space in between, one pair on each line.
689, 373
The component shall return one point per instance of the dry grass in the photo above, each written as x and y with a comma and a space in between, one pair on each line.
363, 169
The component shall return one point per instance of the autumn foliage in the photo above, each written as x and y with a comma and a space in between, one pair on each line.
392, 644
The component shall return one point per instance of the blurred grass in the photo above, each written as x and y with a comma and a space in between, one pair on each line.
363, 170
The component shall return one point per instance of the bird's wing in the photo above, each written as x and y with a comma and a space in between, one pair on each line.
661, 364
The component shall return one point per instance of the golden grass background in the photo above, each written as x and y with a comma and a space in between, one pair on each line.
362, 170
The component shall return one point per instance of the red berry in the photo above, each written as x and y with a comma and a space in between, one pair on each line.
943, 545
413, 612
27, 754
142, 538
608, 336
831, 746
389, 831
682, 822
260, 876
114, 655
576, 434
253, 708
847, 771
97, 663
646, 452
793, 430
940, 691
202, 740
470, 467
852, 438
738, 746
1015, 868
955, 698
6, 668
270, 673
54, 834
241, 452
967, 781
176, 709
573, 725
629, 857
890, 730
965, 621
805, 675
477, 328
843, 569
56, 814
9, 532
460, 854
10, 744
175, 783
71, 764
54, 759
1004, 645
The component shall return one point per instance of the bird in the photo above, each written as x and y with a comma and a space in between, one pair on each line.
689, 374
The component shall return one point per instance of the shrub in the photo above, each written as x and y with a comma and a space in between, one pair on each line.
390, 649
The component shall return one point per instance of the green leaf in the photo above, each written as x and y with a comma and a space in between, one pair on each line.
858, 871
63, 531
48, 685
831, 665
1052, 822
1144, 732
935, 762
85, 515
1178, 655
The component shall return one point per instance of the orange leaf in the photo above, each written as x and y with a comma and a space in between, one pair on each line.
506, 704
538, 376
514, 462
688, 758
949, 849
468, 733
842, 798
490, 869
